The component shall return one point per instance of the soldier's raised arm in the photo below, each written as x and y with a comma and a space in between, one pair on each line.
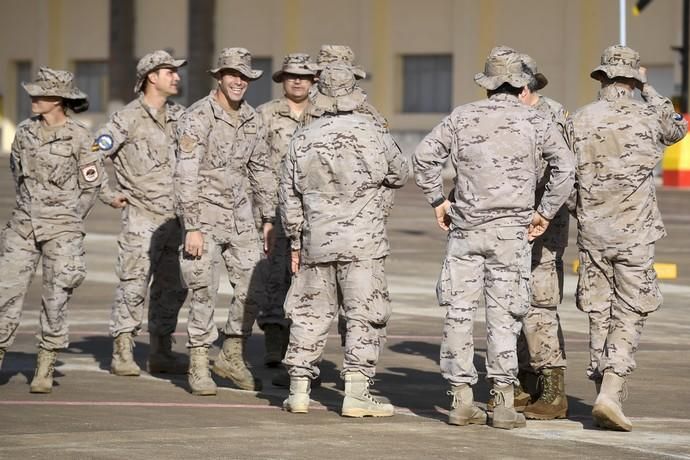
673, 125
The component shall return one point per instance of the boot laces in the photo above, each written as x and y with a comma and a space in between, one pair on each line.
498, 397
368, 395
623, 394
548, 388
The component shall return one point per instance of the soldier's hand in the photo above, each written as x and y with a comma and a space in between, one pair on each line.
194, 243
269, 238
119, 202
537, 227
442, 217
294, 261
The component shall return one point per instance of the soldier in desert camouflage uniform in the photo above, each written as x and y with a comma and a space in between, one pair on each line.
57, 179
540, 345
618, 141
343, 54
330, 205
282, 117
222, 153
496, 147
138, 139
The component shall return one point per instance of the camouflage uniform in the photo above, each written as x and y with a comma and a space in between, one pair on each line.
139, 140
330, 205
617, 213
281, 123
540, 344
343, 54
219, 159
57, 179
496, 147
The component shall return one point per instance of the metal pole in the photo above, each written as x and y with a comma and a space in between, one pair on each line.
622, 17
684, 59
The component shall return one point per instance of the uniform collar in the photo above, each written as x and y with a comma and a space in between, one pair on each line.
613, 92
245, 113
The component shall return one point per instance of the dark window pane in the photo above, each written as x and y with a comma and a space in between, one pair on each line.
91, 78
427, 83
23, 99
259, 91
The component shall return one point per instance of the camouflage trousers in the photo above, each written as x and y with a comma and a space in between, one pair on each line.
64, 269
618, 289
147, 255
274, 273
312, 305
202, 276
540, 344
491, 266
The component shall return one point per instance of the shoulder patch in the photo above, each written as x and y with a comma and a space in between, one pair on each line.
677, 116
90, 172
187, 143
104, 142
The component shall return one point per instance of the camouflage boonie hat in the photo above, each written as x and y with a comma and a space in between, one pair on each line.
296, 64
51, 82
619, 61
153, 61
339, 54
503, 65
239, 59
337, 90
531, 64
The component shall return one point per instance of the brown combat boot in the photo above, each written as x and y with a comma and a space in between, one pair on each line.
231, 365
43, 377
274, 340
608, 408
553, 402
123, 356
199, 378
162, 360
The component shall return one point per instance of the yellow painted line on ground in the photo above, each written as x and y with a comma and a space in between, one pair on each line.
663, 271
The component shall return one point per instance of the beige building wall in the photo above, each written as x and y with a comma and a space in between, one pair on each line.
566, 38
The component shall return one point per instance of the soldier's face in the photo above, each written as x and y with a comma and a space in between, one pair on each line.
296, 87
41, 105
233, 85
166, 81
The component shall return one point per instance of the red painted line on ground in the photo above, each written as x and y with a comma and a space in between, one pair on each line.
146, 404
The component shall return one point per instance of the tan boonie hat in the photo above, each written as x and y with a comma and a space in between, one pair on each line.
51, 82
296, 64
339, 54
337, 90
153, 61
619, 61
239, 59
503, 65
532, 66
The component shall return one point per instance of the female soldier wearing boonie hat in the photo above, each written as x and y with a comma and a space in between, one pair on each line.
57, 179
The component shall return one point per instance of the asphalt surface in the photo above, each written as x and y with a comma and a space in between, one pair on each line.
92, 414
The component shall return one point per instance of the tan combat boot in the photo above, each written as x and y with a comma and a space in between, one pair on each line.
2, 356
608, 408
123, 356
199, 377
231, 365
505, 416
520, 397
462, 409
274, 339
161, 358
43, 377
298, 401
359, 402
553, 402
